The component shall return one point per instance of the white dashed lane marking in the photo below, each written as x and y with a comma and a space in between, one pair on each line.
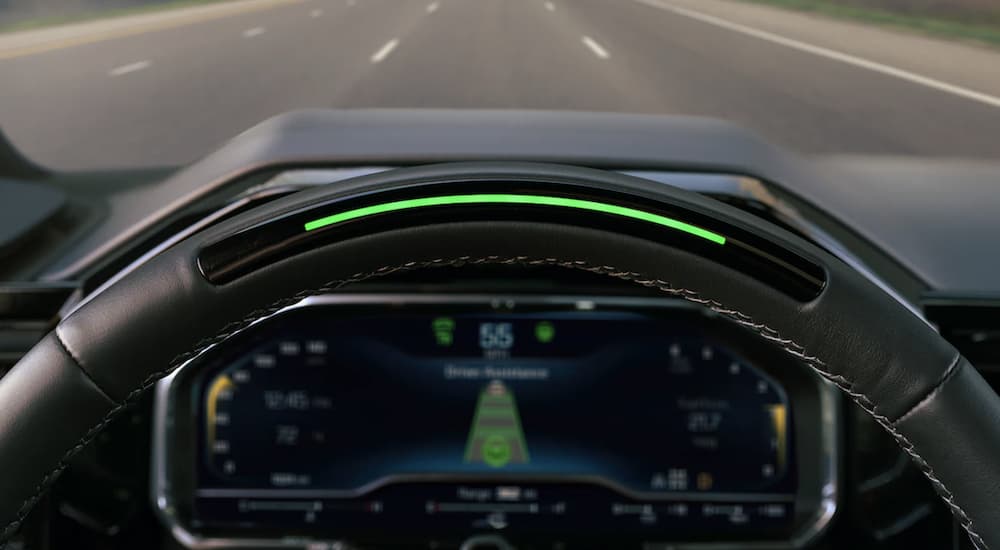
384, 51
598, 50
130, 68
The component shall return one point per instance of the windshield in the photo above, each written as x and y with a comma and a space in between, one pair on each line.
88, 84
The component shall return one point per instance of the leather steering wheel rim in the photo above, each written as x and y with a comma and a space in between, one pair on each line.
104, 355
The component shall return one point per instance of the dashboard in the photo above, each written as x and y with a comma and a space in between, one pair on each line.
486, 416
535, 421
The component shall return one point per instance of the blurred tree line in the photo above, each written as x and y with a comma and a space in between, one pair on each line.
969, 11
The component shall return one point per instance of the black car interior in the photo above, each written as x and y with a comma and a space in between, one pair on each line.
424, 329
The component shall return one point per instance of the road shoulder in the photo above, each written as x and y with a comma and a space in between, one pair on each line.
967, 65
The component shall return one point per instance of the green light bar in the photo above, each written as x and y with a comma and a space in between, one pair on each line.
534, 200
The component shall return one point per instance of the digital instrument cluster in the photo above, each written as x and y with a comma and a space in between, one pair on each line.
535, 421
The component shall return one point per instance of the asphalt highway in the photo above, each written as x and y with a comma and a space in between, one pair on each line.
169, 93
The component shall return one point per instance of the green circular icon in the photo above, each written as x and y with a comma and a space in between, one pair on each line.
496, 451
545, 332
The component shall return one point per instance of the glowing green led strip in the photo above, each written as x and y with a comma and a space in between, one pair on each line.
535, 200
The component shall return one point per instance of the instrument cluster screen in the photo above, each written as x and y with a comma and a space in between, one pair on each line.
485, 419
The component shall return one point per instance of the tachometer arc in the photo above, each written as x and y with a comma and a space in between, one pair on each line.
219, 385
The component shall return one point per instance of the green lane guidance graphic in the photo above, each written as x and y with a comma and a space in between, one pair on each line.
496, 438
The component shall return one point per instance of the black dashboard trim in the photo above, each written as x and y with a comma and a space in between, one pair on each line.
273, 240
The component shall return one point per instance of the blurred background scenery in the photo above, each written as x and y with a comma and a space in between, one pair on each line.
976, 19
133, 83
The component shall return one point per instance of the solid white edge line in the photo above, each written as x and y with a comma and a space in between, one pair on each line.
966, 93
255, 31
433, 7
598, 50
550, 6
130, 68
384, 51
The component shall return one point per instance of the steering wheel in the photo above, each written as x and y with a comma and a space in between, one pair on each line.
516, 217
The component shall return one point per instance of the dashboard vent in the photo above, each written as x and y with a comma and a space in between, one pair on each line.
971, 324
27, 312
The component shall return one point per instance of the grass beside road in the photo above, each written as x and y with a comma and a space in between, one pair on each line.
41, 22
987, 32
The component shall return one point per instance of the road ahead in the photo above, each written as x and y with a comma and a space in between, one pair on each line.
170, 94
